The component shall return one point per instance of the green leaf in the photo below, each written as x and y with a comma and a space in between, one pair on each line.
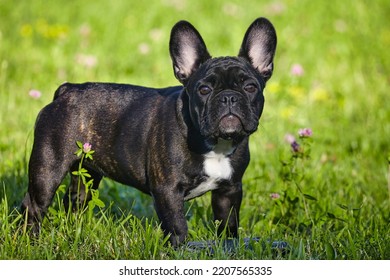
331, 216
99, 202
330, 251
308, 196
79, 144
89, 156
343, 206
78, 153
52, 211
89, 183
94, 193
62, 188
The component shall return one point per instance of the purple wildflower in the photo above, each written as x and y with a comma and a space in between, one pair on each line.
89, 61
290, 138
295, 147
293, 142
87, 147
274, 195
305, 132
144, 48
34, 93
297, 70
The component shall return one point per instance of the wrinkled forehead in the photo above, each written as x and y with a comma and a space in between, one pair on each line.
233, 69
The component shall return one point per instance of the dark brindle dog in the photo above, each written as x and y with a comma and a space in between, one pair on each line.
174, 143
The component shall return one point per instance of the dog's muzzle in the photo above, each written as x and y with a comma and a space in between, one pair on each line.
230, 126
231, 115
230, 122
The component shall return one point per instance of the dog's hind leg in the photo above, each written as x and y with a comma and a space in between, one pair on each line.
46, 172
77, 196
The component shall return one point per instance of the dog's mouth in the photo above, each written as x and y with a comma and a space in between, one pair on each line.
230, 124
230, 127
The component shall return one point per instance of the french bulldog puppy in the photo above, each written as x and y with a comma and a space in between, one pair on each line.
173, 143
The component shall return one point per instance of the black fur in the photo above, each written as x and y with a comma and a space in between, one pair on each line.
164, 142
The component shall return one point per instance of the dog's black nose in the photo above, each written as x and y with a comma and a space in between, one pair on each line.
228, 99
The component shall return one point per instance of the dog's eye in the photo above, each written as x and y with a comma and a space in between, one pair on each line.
204, 90
251, 88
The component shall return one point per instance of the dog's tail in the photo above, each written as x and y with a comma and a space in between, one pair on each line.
61, 90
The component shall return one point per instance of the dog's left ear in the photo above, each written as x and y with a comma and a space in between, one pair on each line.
259, 46
188, 50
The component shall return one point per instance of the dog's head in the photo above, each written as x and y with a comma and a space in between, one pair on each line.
226, 93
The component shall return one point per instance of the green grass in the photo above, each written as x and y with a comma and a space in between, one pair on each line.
334, 203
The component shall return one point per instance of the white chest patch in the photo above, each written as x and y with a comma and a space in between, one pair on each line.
217, 167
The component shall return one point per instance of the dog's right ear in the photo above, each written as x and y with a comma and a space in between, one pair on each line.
259, 46
188, 50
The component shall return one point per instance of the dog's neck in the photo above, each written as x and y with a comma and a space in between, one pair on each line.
224, 147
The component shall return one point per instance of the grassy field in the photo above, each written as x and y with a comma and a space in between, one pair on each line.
329, 200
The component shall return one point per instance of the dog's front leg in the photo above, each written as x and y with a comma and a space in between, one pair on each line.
226, 203
170, 210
